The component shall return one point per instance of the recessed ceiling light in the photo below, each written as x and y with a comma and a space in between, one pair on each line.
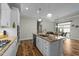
38, 11
40, 20
27, 8
49, 15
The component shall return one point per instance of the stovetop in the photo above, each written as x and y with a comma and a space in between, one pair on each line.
4, 43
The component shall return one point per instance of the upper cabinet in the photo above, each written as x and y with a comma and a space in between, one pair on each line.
5, 15
9, 16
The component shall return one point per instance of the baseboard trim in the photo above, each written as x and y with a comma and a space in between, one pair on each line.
26, 39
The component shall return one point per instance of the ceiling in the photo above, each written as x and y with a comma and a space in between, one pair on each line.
56, 9
17, 5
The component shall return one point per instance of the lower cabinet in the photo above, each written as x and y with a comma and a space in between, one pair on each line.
42, 45
11, 51
45, 47
48, 48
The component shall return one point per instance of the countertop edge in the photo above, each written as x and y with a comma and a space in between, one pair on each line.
47, 38
6, 47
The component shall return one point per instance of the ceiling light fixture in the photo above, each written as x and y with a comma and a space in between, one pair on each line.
40, 20
49, 15
27, 8
38, 11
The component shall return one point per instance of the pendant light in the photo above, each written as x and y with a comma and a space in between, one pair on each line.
39, 17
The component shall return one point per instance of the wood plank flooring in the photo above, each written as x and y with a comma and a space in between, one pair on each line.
26, 48
71, 47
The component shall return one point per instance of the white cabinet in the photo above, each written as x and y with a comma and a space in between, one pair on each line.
42, 45
54, 48
9, 15
38, 43
11, 51
49, 48
5, 15
45, 47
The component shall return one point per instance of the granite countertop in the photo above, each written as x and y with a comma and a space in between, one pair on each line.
50, 38
3, 49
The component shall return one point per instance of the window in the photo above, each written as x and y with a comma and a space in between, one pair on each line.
64, 28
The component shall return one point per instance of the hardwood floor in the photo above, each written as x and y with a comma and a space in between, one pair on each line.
71, 47
26, 48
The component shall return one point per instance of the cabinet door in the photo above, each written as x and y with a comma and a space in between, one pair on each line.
5, 15
45, 47
54, 48
40, 45
37, 42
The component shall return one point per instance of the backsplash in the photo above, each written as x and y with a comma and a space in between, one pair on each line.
10, 31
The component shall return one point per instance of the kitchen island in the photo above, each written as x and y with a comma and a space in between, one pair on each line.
50, 45
10, 48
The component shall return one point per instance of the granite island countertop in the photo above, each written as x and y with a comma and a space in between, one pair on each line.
4, 49
50, 37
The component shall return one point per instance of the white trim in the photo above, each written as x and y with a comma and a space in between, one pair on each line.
26, 39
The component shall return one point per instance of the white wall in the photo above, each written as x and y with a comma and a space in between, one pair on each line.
48, 26
74, 32
29, 26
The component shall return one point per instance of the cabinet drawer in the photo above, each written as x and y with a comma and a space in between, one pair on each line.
46, 46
